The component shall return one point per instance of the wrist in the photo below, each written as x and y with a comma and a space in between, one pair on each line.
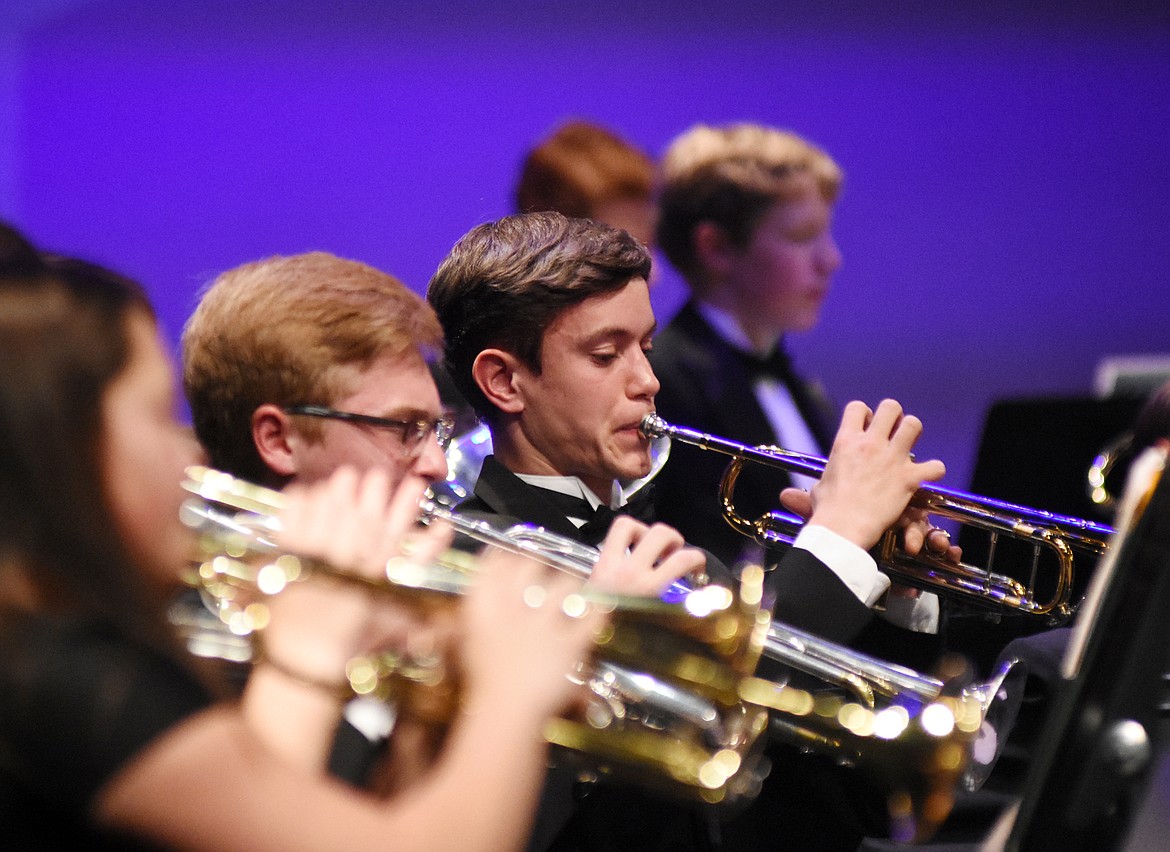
845, 526
337, 687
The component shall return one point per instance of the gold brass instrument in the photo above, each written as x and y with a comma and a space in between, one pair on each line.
671, 700
1044, 532
917, 757
661, 705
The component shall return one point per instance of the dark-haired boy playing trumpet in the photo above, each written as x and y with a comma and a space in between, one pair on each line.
548, 325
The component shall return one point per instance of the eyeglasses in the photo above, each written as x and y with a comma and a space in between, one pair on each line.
413, 432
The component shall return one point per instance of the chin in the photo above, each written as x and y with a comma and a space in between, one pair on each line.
634, 470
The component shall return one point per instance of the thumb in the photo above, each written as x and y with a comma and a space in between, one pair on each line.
797, 501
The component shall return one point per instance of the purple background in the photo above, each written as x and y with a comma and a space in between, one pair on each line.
1004, 221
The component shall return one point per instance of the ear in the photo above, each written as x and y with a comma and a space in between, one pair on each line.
272, 433
495, 372
713, 248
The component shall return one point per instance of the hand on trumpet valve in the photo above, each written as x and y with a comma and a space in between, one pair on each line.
637, 559
797, 501
920, 536
870, 475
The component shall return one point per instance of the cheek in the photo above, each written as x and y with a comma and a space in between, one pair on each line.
346, 447
593, 414
143, 483
789, 279
786, 270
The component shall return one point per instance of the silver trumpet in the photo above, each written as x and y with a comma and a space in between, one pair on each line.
873, 682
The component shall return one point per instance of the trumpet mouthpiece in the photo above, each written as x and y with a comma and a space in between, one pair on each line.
652, 426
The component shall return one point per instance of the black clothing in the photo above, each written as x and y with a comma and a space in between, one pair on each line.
707, 385
807, 803
78, 699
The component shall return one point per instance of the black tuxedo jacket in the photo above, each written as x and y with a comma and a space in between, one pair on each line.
707, 386
576, 817
808, 801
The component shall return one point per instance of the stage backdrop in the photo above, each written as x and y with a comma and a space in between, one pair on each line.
1003, 222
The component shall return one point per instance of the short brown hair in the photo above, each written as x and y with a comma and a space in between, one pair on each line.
505, 282
579, 167
732, 176
275, 331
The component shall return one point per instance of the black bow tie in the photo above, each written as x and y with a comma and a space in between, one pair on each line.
774, 365
598, 521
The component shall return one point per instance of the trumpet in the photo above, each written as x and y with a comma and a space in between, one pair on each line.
671, 700
867, 678
1057, 535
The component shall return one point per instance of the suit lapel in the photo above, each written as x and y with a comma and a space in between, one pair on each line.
736, 411
729, 383
507, 494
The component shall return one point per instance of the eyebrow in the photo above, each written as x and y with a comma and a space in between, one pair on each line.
619, 331
411, 413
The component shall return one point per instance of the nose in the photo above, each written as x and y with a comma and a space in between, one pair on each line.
643, 381
431, 463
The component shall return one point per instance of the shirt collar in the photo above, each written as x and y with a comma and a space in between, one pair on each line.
574, 487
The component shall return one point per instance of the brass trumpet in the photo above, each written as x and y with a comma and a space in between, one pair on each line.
1045, 532
670, 697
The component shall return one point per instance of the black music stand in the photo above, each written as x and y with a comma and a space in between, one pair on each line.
1034, 452
1102, 737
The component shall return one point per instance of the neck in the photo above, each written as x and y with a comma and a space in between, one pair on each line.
524, 460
